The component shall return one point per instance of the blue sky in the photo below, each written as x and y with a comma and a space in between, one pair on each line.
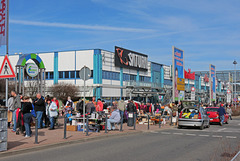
207, 31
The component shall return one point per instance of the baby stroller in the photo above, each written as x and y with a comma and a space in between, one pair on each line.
20, 123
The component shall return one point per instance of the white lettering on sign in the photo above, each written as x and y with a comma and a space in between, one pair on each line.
136, 60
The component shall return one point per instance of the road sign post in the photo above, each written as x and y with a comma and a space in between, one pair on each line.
84, 74
6, 71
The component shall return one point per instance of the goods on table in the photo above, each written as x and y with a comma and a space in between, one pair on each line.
71, 128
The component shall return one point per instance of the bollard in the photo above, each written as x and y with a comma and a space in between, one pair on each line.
159, 122
106, 124
148, 122
36, 131
65, 127
121, 122
134, 121
87, 127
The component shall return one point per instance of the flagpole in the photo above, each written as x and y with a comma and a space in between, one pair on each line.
7, 50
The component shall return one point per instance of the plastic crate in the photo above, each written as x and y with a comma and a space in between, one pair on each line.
3, 113
3, 125
3, 146
3, 136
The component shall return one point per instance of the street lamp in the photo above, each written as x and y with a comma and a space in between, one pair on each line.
235, 63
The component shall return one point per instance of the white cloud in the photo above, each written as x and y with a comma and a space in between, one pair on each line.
80, 26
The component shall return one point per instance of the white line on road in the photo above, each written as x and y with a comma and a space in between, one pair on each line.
165, 132
217, 136
204, 135
154, 132
178, 133
191, 134
231, 137
222, 129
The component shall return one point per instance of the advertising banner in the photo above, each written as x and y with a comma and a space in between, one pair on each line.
3, 22
212, 75
130, 59
178, 74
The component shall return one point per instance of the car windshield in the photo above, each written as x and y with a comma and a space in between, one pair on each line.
211, 109
188, 103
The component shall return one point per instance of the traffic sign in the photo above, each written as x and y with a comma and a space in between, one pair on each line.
85, 73
193, 89
228, 91
6, 70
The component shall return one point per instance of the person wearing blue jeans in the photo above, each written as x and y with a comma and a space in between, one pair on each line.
15, 105
39, 119
39, 107
14, 120
221, 112
27, 116
114, 118
51, 112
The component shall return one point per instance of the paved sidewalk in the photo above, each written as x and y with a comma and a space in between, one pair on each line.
55, 137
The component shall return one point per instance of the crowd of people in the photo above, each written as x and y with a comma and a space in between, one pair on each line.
47, 111
23, 109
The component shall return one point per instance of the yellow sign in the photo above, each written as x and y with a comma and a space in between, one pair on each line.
180, 84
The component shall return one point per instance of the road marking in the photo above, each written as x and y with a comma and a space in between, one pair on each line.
154, 132
165, 132
228, 131
222, 129
204, 135
238, 124
178, 133
191, 134
231, 137
217, 136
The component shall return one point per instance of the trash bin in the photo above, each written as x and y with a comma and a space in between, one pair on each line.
3, 128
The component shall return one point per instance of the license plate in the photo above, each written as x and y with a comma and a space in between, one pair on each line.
211, 119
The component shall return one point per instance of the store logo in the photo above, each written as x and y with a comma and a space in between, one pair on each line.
130, 59
120, 55
32, 70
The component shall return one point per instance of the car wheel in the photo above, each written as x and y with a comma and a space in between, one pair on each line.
202, 126
208, 126
179, 127
226, 122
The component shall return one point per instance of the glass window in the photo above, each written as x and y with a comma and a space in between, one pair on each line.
72, 74
67, 74
47, 77
77, 74
60, 74
51, 75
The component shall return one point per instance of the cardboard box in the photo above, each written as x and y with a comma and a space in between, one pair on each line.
71, 128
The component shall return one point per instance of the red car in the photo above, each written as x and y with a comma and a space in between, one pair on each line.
213, 115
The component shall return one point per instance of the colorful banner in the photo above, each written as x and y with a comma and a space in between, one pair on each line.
178, 74
3, 22
212, 76
189, 75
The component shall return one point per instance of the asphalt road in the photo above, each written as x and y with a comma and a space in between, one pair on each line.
167, 145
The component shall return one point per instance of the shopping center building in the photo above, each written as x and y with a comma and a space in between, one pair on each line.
112, 75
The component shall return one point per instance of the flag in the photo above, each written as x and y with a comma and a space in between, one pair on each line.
3, 22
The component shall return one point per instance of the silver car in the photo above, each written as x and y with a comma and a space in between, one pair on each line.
193, 117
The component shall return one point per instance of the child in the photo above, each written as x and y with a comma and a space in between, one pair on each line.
69, 115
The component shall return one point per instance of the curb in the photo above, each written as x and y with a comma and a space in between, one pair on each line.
72, 142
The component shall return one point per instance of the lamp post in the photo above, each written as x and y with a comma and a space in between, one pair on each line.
235, 63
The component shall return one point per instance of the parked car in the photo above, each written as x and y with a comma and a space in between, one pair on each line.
213, 115
193, 117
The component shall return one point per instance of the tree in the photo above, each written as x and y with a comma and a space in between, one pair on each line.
63, 90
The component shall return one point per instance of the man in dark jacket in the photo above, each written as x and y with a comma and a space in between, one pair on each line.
131, 108
221, 112
39, 107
